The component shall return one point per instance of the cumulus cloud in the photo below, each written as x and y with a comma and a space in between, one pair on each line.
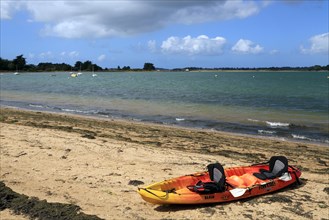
8, 8
101, 57
319, 44
247, 47
99, 18
193, 46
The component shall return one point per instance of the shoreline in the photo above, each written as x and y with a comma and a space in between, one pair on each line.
91, 162
118, 119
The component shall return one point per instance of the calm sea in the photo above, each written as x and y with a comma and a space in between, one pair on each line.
290, 105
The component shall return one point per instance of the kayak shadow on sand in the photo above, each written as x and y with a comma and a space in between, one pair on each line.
209, 208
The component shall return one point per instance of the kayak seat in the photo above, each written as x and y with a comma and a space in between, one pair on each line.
217, 183
278, 165
244, 181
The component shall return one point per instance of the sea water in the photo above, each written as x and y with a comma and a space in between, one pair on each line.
292, 105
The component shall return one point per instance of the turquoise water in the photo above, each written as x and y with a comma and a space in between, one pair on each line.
281, 104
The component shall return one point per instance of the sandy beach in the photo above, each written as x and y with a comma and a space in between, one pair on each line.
97, 165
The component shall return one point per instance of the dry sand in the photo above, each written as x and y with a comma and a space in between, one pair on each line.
97, 164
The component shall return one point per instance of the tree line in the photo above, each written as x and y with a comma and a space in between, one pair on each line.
20, 64
284, 68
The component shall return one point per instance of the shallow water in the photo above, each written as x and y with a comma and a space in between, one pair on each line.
281, 104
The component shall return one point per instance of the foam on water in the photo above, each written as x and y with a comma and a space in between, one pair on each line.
277, 124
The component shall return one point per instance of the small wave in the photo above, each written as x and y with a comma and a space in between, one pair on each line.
296, 136
180, 119
103, 113
277, 124
36, 106
253, 120
68, 110
78, 111
266, 132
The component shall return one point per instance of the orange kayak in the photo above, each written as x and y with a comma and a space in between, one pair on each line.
240, 183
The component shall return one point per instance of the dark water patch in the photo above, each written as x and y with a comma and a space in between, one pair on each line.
39, 209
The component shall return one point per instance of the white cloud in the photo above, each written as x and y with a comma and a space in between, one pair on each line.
101, 57
99, 18
152, 46
319, 44
273, 52
31, 55
193, 46
8, 8
247, 47
73, 54
46, 55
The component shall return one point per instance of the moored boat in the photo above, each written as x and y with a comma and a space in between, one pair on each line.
73, 75
223, 185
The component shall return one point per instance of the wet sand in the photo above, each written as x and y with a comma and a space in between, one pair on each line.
98, 165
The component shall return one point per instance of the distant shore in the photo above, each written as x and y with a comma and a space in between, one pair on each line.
168, 70
98, 165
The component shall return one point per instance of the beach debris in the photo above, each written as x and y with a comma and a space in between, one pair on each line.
323, 205
166, 169
208, 210
89, 136
114, 174
135, 182
39, 209
326, 190
322, 162
21, 154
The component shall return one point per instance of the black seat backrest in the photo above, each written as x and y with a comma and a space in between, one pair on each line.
217, 184
278, 165
217, 174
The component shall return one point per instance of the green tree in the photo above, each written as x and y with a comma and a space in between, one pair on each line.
4, 64
78, 65
148, 67
87, 65
19, 62
126, 68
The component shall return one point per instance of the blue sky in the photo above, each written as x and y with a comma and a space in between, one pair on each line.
167, 33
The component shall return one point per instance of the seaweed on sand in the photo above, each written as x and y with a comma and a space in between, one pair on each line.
39, 209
